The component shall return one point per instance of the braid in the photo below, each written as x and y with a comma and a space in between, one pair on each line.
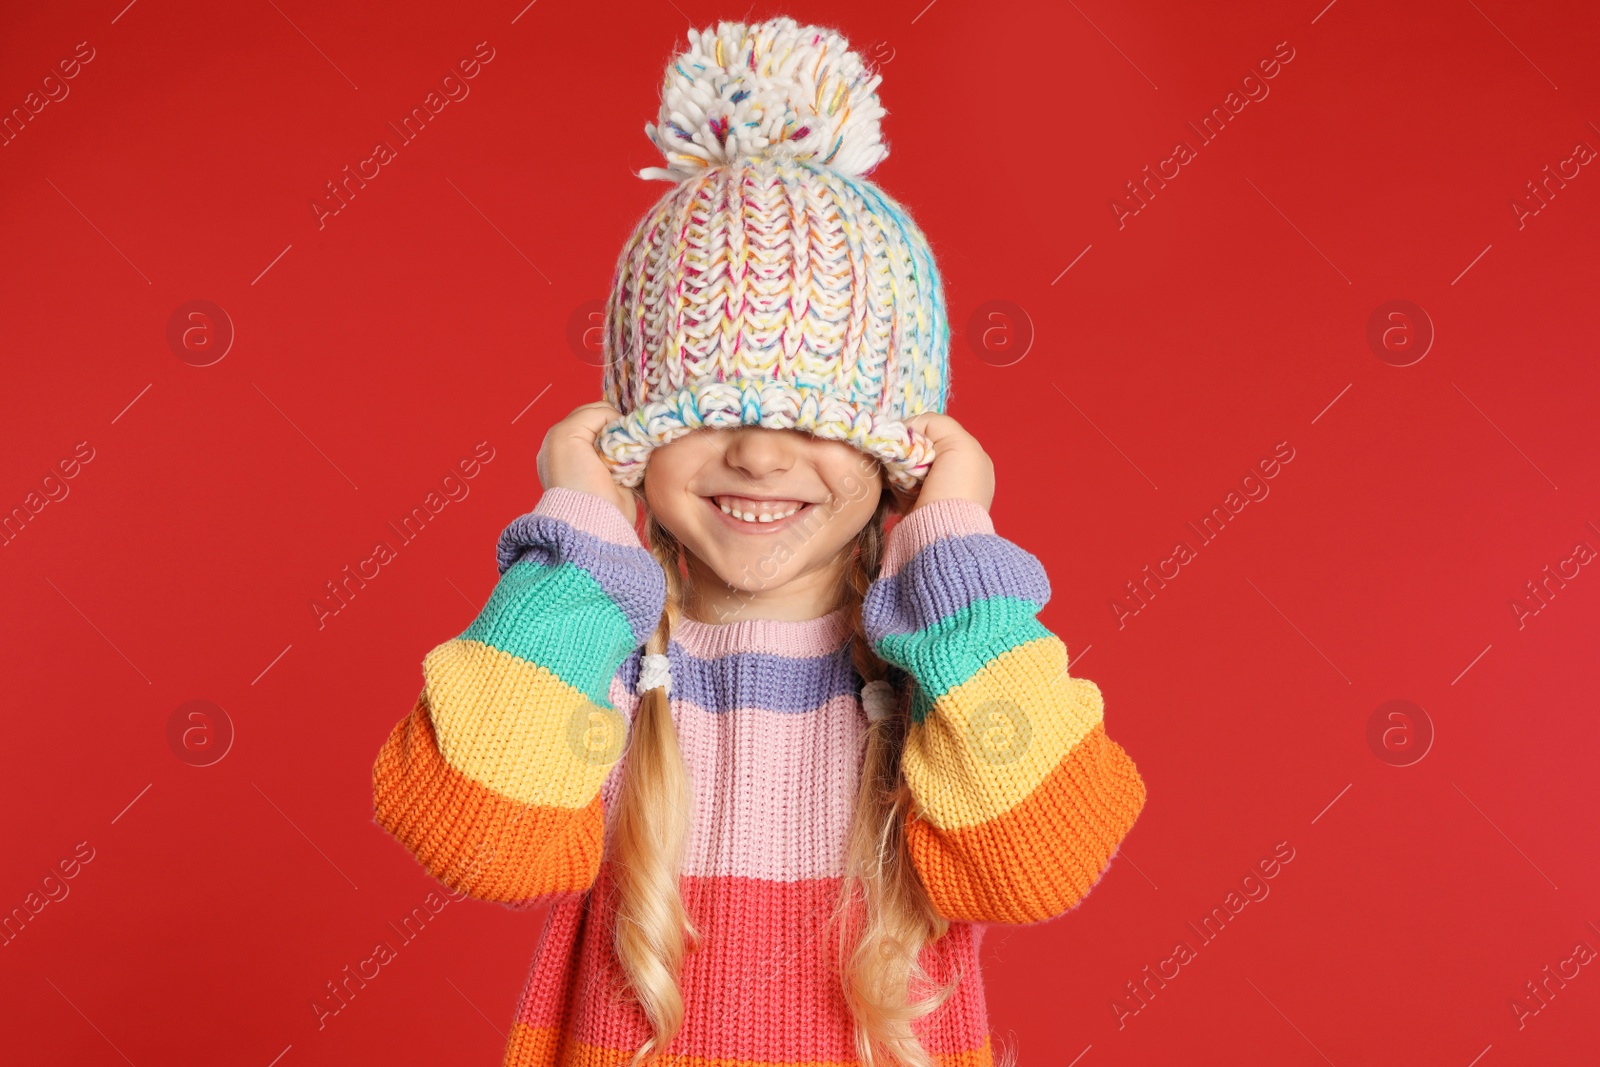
884, 915
653, 929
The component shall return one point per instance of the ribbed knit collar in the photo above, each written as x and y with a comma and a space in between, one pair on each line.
806, 639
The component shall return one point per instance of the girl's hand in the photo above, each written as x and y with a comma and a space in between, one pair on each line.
568, 459
961, 468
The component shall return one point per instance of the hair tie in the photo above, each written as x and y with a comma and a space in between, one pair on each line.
879, 700
654, 673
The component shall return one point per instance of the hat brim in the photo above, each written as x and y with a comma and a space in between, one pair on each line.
625, 445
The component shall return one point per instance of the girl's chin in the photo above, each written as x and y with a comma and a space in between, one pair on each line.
754, 568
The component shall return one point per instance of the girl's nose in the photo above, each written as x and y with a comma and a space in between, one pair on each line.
757, 452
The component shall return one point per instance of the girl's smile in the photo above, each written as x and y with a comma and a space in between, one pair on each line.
765, 515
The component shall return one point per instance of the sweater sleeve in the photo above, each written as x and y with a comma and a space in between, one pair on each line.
493, 781
1021, 798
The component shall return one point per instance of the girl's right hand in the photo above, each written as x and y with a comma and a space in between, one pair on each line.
568, 459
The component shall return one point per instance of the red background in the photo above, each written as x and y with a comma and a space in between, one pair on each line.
1230, 314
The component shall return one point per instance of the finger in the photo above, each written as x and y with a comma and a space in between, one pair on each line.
935, 426
588, 420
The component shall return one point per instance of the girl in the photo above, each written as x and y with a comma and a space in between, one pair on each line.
775, 764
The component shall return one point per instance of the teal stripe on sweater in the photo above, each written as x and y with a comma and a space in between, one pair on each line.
582, 641
961, 644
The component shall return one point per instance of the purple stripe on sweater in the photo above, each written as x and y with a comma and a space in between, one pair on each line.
629, 575
755, 679
947, 576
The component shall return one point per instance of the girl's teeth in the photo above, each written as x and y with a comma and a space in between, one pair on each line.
755, 516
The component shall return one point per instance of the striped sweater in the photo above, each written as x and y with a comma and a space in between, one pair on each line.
501, 779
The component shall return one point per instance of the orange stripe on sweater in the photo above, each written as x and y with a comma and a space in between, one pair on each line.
532, 1046
543, 1046
473, 839
1042, 857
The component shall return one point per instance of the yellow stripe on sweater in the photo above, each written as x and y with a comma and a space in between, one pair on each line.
988, 743
517, 729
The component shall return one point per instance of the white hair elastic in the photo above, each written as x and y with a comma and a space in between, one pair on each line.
654, 673
879, 700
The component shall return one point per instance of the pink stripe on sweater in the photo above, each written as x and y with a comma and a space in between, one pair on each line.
589, 513
762, 986
774, 791
951, 517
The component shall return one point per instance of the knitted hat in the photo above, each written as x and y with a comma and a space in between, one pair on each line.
773, 285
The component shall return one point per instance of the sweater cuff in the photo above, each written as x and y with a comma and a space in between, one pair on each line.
587, 512
951, 517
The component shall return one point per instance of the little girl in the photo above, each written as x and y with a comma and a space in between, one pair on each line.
776, 763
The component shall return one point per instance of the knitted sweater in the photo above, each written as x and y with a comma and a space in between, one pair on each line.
502, 779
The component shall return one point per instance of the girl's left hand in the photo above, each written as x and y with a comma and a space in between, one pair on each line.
961, 468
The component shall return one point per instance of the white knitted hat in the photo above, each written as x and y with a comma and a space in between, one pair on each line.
773, 285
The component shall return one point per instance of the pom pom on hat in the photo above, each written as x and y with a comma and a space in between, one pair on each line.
768, 90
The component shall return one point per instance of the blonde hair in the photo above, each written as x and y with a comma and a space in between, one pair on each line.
884, 917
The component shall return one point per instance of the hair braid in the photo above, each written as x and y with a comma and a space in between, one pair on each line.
653, 929
884, 916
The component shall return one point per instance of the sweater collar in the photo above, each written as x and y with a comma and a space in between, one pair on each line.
806, 639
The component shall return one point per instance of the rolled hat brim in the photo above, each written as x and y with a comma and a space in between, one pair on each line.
625, 445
